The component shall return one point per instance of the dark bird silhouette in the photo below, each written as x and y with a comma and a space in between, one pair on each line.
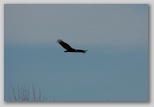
69, 48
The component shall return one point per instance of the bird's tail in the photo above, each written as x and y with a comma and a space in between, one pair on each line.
85, 51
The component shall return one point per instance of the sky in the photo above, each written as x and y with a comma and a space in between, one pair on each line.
115, 67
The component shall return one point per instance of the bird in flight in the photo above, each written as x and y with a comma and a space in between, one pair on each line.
69, 48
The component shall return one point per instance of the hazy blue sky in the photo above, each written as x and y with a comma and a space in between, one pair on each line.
115, 68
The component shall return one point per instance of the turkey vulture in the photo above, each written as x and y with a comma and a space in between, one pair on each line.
69, 48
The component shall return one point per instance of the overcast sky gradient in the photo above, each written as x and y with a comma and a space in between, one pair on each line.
115, 68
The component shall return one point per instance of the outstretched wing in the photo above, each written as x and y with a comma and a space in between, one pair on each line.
81, 51
64, 45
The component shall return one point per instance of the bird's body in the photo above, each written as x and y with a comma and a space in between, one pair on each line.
69, 48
